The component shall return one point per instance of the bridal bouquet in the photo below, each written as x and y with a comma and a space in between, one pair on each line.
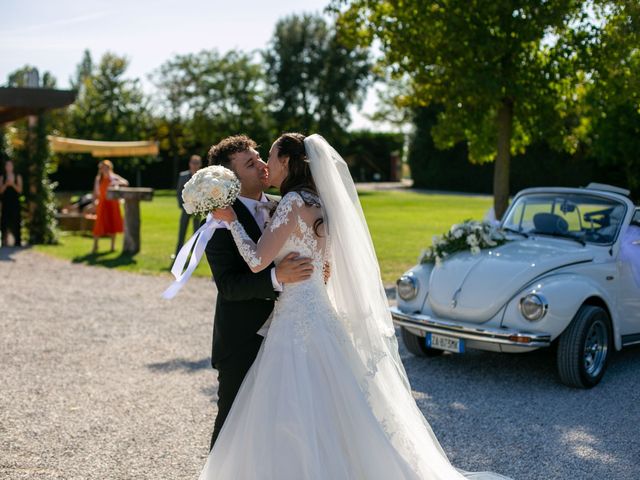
210, 188
469, 235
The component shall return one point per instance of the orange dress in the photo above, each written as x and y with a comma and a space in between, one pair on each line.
108, 216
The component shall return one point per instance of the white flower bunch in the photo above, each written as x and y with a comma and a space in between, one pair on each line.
210, 188
469, 235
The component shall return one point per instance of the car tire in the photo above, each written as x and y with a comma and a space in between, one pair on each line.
584, 348
417, 346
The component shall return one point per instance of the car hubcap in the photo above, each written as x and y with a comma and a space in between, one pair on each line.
595, 348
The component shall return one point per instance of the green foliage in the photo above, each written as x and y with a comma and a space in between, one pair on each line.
84, 70
469, 57
491, 65
315, 76
4, 148
29, 148
369, 154
612, 100
42, 220
212, 96
109, 107
430, 166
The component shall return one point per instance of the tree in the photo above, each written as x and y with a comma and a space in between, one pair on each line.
498, 69
315, 76
84, 70
212, 96
612, 110
109, 107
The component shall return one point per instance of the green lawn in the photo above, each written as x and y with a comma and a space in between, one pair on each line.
401, 223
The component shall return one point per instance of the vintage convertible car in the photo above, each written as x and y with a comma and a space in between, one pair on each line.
568, 276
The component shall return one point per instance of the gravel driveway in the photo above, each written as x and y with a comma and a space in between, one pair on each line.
102, 379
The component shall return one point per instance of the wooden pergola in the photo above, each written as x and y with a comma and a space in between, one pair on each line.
132, 196
19, 102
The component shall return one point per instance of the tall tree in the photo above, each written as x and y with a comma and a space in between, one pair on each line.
83, 71
498, 68
109, 107
612, 110
315, 76
213, 96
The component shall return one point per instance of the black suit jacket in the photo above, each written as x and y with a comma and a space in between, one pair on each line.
183, 178
245, 299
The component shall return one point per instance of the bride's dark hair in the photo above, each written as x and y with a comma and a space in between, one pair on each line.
299, 178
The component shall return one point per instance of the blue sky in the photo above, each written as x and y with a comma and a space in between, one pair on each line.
52, 35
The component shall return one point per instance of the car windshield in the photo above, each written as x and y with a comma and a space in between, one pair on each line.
582, 217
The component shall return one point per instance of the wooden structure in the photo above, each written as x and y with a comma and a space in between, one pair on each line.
19, 102
132, 197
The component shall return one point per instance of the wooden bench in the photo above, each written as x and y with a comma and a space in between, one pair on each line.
76, 222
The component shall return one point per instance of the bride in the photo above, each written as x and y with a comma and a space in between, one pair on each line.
327, 397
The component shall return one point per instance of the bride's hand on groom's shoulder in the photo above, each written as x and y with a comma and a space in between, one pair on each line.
224, 214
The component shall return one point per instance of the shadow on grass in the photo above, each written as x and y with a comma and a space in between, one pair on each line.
97, 259
180, 364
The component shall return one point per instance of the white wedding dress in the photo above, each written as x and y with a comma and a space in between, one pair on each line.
327, 397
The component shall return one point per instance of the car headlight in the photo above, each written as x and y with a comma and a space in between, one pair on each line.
407, 286
533, 306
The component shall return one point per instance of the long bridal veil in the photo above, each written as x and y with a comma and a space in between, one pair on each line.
356, 291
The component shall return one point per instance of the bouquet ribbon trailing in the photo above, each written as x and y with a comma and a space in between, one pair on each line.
197, 243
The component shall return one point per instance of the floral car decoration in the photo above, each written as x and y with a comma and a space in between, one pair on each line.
469, 235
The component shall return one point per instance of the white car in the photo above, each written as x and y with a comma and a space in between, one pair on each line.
568, 276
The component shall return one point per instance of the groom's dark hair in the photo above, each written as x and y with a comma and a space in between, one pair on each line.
220, 153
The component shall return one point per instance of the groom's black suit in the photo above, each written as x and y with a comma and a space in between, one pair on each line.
245, 301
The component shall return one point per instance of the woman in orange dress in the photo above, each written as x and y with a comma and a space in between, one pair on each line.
108, 217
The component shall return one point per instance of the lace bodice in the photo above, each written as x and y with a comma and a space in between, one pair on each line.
290, 230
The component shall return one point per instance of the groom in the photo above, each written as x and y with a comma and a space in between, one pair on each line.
245, 299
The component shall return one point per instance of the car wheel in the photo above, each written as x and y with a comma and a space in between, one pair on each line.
584, 348
417, 345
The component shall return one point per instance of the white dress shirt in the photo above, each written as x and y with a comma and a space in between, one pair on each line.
261, 217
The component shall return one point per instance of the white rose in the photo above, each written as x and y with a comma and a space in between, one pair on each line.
475, 250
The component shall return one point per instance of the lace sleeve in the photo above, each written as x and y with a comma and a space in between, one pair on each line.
259, 256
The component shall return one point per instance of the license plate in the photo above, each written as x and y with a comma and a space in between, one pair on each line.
442, 342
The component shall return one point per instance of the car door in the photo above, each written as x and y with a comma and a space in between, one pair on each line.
629, 282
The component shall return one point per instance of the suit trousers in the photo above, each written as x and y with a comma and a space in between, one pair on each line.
231, 373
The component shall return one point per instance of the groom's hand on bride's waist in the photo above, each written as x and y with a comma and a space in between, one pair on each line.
293, 268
